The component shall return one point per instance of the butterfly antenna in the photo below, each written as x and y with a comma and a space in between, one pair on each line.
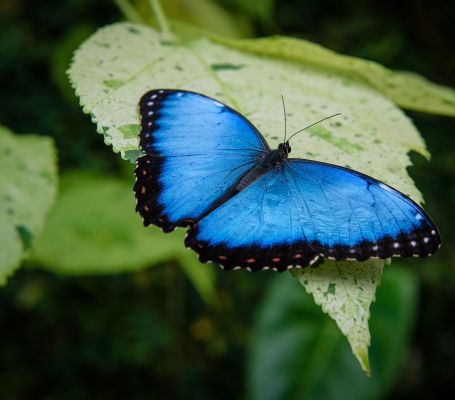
285, 124
315, 123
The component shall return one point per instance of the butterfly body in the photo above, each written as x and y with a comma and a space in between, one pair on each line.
207, 168
268, 161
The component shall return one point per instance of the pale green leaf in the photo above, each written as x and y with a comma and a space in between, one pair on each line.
28, 183
119, 63
345, 291
406, 89
93, 229
113, 68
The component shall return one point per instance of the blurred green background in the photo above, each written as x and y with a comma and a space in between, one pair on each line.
150, 334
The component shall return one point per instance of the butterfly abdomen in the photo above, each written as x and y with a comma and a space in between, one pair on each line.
263, 165
269, 160
252, 175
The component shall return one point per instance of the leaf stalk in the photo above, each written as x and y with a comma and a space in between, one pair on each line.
128, 11
160, 17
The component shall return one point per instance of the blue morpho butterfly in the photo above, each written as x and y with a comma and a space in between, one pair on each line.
208, 168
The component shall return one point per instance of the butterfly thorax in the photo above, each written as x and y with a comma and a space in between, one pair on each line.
271, 159
277, 156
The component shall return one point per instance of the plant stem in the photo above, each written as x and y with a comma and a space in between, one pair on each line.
159, 16
128, 11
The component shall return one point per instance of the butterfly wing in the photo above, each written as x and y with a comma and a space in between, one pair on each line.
259, 228
306, 209
196, 149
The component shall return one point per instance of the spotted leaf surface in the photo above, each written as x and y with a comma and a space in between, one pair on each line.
406, 89
117, 65
28, 184
346, 288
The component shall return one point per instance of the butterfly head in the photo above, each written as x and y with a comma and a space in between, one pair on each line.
284, 149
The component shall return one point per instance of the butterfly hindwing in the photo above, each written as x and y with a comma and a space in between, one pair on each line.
196, 149
302, 210
256, 229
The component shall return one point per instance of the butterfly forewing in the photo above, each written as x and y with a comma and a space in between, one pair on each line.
196, 149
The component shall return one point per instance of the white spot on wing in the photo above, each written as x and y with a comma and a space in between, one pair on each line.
311, 262
385, 187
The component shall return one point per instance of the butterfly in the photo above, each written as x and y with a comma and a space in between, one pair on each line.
207, 168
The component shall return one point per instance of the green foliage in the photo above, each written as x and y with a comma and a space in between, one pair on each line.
208, 15
406, 89
373, 136
28, 184
93, 229
261, 10
201, 276
345, 291
156, 324
298, 353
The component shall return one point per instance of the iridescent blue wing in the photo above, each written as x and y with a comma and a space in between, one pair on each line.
196, 149
304, 209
